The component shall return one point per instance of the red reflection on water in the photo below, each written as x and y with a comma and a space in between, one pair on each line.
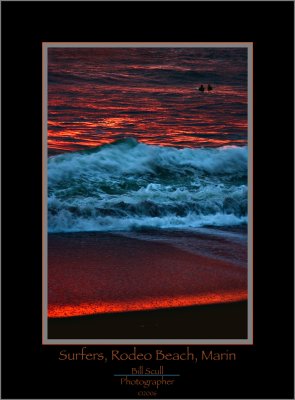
159, 116
97, 96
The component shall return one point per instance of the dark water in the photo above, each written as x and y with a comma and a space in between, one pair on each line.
99, 95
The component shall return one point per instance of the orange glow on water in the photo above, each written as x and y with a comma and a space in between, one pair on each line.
59, 311
98, 96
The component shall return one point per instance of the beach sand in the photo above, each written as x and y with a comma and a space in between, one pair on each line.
111, 286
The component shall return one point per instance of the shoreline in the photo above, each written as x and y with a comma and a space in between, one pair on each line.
103, 285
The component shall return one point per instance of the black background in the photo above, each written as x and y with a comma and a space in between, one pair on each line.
30, 370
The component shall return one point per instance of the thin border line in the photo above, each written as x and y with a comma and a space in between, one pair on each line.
44, 192
147, 44
149, 375
250, 339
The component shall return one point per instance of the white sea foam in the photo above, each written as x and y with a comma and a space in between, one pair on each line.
130, 185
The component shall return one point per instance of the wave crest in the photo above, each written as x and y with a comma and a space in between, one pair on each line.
129, 185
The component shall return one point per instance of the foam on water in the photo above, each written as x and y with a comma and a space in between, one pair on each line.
128, 185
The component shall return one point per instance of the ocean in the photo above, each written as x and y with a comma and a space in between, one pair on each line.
100, 95
137, 145
129, 185
139, 158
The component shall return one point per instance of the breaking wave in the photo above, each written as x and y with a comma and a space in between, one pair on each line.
127, 185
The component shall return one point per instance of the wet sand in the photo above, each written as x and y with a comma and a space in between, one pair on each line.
112, 286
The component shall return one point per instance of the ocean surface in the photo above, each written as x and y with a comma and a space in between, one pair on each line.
100, 95
133, 144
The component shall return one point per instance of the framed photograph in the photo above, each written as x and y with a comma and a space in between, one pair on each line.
147, 200
147, 193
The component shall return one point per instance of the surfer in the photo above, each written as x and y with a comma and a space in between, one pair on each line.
201, 88
209, 88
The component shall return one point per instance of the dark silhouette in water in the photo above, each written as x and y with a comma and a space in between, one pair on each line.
209, 87
201, 88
